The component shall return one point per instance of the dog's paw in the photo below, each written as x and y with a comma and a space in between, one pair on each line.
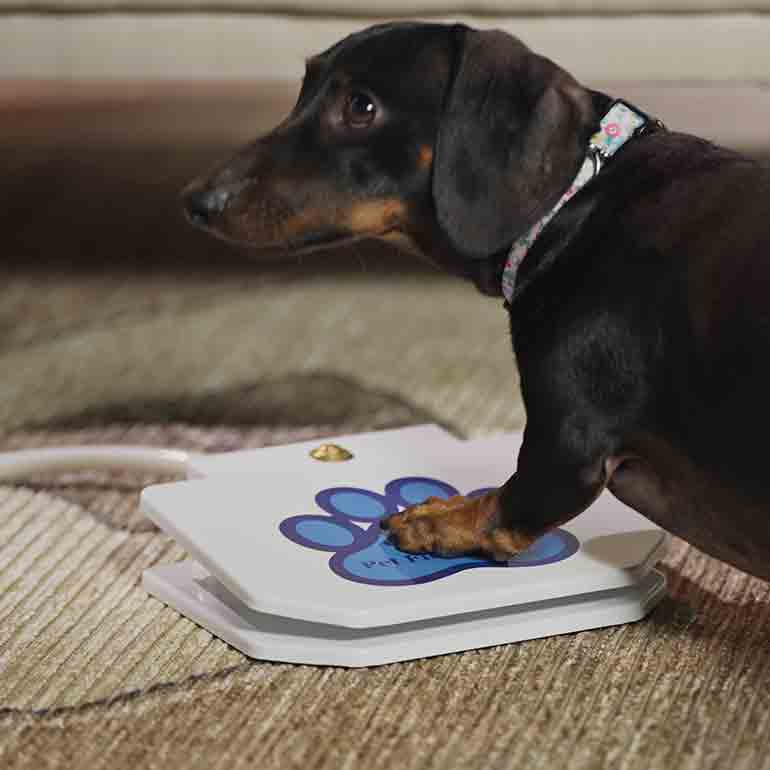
365, 553
455, 525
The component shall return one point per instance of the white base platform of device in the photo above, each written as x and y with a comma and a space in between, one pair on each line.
193, 592
288, 561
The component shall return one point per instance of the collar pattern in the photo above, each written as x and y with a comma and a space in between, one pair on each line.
619, 124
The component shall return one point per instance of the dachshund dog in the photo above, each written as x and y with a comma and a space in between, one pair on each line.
639, 296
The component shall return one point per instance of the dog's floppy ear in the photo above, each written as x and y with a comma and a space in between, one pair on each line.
512, 138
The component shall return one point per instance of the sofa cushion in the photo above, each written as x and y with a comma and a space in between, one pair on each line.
704, 47
385, 8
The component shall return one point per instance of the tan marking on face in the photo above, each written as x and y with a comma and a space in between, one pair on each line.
404, 242
425, 157
375, 216
301, 222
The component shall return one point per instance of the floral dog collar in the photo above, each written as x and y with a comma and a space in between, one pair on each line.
619, 124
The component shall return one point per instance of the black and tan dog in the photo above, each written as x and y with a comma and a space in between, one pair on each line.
641, 314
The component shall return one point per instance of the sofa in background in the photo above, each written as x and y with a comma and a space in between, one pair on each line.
704, 64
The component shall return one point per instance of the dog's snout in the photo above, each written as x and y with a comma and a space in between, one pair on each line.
202, 203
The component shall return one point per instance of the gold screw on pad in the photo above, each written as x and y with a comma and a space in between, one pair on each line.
331, 453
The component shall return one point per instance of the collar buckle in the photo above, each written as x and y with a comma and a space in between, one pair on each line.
597, 158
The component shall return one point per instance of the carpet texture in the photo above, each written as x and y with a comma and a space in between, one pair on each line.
94, 673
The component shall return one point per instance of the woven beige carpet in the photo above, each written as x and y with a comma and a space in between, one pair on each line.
104, 340
94, 673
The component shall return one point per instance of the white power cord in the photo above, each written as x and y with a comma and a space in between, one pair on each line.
18, 465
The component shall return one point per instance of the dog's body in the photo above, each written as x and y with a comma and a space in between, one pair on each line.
641, 322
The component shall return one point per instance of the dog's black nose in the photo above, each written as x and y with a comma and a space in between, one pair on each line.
200, 204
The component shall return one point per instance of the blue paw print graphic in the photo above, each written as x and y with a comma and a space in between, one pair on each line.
361, 551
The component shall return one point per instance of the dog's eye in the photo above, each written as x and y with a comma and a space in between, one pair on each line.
360, 110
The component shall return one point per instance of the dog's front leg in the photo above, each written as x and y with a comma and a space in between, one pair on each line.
554, 481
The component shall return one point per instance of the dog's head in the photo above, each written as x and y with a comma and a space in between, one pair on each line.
450, 140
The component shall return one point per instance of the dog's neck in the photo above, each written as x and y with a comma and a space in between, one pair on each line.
620, 122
